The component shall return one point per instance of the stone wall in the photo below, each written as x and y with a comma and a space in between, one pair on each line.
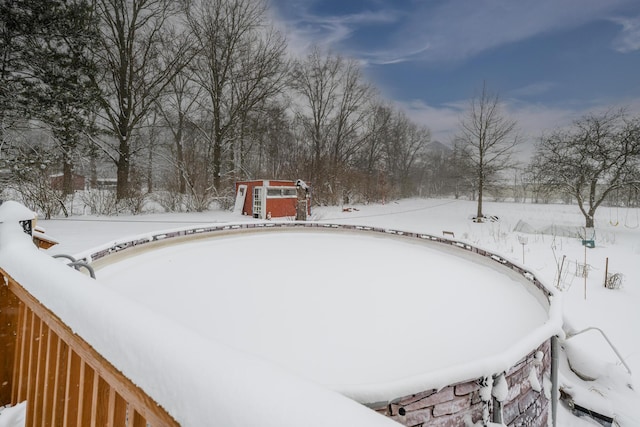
526, 402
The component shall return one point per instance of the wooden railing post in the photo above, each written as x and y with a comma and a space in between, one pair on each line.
8, 329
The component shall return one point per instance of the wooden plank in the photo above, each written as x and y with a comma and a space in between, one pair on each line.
72, 394
33, 334
129, 415
20, 393
86, 395
9, 317
40, 380
60, 381
111, 408
101, 404
81, 392
138, 420
119, 410
94, 401
17, 360
49, 378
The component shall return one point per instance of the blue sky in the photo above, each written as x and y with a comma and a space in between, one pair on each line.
549, 60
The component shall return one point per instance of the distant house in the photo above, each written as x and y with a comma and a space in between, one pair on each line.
106, 183
266, 199
77, 181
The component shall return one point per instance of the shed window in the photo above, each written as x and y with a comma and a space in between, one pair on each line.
281, 192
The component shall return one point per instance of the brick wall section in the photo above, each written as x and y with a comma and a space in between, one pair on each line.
449, 406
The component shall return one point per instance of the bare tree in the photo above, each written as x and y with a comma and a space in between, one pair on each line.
240, 64
597, 155
34, 160
317, 80
187, 154
403, 150
438, 170
460, 171
334, 107
371, 155
176, 107
489, 139
134, 73
271, 149
353, 108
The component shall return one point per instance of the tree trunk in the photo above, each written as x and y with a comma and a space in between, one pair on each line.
217, 164
589, 217
93, 170
67, 177
122, 174
150, 170
588, 221
479, 214
182, 185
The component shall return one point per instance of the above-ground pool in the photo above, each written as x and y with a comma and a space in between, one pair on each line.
387, 320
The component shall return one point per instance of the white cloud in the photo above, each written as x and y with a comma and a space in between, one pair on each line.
394, 56
629, 38
325, 31
457, 29
442, 121
452, 30
534, 120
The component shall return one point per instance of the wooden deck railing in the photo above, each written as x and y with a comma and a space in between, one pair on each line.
63, 379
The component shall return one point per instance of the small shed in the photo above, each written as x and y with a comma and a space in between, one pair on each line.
266, 199
77, 181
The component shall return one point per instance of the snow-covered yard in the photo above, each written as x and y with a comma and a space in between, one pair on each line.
587, 302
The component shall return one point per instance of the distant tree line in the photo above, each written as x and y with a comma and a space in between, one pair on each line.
184, 98
176, 100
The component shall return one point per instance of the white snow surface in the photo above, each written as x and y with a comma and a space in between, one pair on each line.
586, 302
14, 416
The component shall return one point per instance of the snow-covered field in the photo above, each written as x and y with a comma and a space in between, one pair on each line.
587, 302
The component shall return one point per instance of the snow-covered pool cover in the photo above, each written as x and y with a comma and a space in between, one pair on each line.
362, 314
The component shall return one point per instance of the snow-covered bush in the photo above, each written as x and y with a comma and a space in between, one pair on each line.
133, 204
614, 280
100, 202
170, 201
40, 197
